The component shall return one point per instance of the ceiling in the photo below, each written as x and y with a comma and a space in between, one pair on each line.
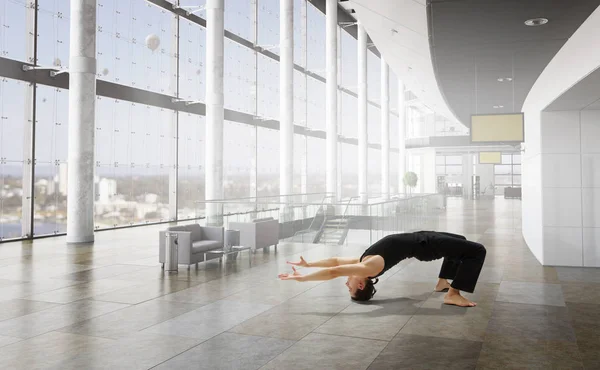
475, 42
399, 30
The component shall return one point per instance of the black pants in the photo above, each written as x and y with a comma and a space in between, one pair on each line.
463, 260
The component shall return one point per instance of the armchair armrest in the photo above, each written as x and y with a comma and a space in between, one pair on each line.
213, 233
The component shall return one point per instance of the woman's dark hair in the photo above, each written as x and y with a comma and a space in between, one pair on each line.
366, 293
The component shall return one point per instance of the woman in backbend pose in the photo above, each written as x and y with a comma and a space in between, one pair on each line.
462, 264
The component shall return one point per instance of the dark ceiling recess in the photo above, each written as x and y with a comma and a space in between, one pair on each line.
486, 59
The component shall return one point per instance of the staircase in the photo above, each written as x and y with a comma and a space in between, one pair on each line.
334, 231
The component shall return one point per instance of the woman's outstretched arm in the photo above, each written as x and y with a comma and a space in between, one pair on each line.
356, 269
328, 262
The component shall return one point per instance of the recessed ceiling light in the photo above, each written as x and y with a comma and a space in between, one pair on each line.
503, 79
498, 106
536, 22
500, 79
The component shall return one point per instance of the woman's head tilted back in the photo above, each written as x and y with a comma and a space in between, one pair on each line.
361, 289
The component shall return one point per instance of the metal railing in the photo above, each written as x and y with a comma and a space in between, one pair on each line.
298, 219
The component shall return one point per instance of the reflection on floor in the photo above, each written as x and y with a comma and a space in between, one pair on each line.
110, 306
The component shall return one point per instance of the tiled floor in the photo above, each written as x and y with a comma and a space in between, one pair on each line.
111, 307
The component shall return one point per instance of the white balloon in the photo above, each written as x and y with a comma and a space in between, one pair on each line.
152, 41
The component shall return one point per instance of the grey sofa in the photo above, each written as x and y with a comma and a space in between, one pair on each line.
192, 241
260, 233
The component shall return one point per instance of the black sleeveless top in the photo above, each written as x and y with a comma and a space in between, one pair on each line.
397, 247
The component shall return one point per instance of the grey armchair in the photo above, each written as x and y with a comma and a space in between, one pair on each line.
260, 233
193, 241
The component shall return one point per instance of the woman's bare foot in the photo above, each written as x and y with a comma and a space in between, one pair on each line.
442, 286
453, 297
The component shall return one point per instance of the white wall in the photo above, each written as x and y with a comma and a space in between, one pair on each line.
570, 174
562, 244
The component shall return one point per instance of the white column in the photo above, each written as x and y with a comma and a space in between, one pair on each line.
385, 130
339, 114
362, 114
286, 97
401, 137
214, 108
331, 95
82, 116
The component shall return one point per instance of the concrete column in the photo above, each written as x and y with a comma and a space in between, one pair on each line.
339, 114
215, 43
401, 137
286, 98
286, 106
304, 55
385, 130
362, 114
82, 116
331, 95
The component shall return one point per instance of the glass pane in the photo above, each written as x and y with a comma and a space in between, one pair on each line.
373, 77
440, 170
136, 40
238, 160
349, 170
316, 165
502, 169
349, 68
239, 18
316, 104
374, 124
316, 40
454, 159
454, 170
14, 29
239, 78
502, 180
517, 169
517, 158
268, 162
374, 172
506, 158
268, 88
517, 179
349, 123
53, 33
192, 74
268, 24
13, 120
440, 159
50, 191
191, 165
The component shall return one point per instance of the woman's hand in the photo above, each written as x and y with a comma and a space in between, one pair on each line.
293, 276
302, 262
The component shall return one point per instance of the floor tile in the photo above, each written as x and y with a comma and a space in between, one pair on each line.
381, 319
516, 352
529, 272
138, 351
531, 321
579, 274
21, 307
21, 290
47, 350
321, 351
129, 320
229, 351
531, 293
210, 320
55, 318
578, 292
145, 292
4, 341
105, 272
81, 291
422, 352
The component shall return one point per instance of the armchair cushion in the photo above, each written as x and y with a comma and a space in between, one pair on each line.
205, 245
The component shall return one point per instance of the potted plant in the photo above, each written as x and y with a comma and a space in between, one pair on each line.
410, 179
